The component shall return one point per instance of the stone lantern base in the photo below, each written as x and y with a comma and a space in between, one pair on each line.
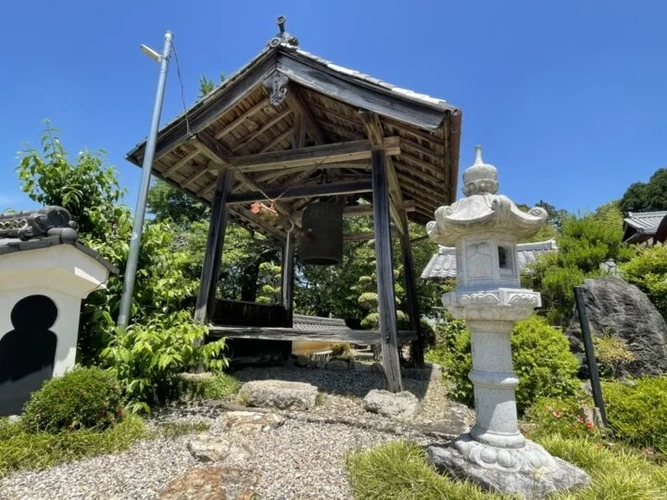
530, 471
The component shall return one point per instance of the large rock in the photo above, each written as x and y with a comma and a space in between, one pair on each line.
614, 306
528, 472
212, 483
210, 447
403, 405
279, 394
250, 422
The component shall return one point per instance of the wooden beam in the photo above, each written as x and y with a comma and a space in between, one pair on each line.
193, 178
213, 251
183, 161
366, 236
287, 272
365, 210
278, 139
362, 165
333, 189
375, 135
385, 274
411, 296
254, 135
319, 155
296, 103
259, 224
239, 121
360, 95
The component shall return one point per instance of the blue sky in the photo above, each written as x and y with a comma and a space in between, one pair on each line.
568, 98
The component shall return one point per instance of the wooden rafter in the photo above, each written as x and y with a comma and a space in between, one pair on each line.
245, 141
321, 155
334, 189
183, 161
241, 119
296, 103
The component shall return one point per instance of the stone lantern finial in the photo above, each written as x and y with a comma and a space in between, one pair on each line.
480, 178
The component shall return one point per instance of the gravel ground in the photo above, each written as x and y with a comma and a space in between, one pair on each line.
297, 460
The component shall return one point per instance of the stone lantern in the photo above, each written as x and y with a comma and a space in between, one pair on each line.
485, 228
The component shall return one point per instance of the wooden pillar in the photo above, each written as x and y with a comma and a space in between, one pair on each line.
287, 287
385, 273
411, 294
213, 252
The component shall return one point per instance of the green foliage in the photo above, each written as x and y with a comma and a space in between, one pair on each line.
169, 204
341, 350
399, 470
21, 449
637, 411
452, 352
541, 358
84, 398
612, 354
560, 416
218, 386
646, 197
648, 271
269, 281
173, 430
583, 244
148, 358
207, 85
88, 188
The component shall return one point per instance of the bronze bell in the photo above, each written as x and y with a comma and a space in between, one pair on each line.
322, 223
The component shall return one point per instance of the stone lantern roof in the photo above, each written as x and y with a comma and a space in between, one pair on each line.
482, 210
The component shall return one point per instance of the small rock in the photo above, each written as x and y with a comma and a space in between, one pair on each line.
216, 448
360, 366
212, 483
338, 365
401, 405
279, 394
302, 361
250, 422
377, 367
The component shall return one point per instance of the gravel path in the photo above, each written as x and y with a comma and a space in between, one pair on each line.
299, 459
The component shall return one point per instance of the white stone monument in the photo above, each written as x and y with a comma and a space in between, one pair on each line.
485, 229
45, 272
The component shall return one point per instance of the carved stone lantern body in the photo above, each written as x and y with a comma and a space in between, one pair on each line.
485, 228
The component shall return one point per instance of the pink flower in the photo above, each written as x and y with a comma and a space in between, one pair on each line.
589, 425
649, 450
556, 414
580, 419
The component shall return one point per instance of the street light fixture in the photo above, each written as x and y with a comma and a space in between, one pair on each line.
139, 213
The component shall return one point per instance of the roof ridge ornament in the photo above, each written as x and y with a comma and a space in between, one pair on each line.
283, 36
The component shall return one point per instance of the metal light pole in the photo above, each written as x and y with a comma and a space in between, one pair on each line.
137, 228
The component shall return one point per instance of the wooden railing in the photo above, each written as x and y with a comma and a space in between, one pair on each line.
239, 313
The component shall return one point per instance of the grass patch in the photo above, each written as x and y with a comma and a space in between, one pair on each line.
220, 386
20, 449
172, 430
400, 470
320, 399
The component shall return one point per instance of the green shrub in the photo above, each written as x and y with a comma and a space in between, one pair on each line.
648, 271
555, 416
21, 449
148, 358
84, 398
341, 350
541, 356
637, 411
612, 354
220, 386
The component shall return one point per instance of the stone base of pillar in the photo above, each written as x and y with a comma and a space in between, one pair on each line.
530, 471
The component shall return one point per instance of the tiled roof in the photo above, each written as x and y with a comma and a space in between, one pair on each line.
46, 227
641, 225
443, 264
357, 75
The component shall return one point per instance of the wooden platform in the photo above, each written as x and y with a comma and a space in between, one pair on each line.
334, 334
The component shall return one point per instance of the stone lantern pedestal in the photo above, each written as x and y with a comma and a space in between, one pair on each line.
485, 228
45, 272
